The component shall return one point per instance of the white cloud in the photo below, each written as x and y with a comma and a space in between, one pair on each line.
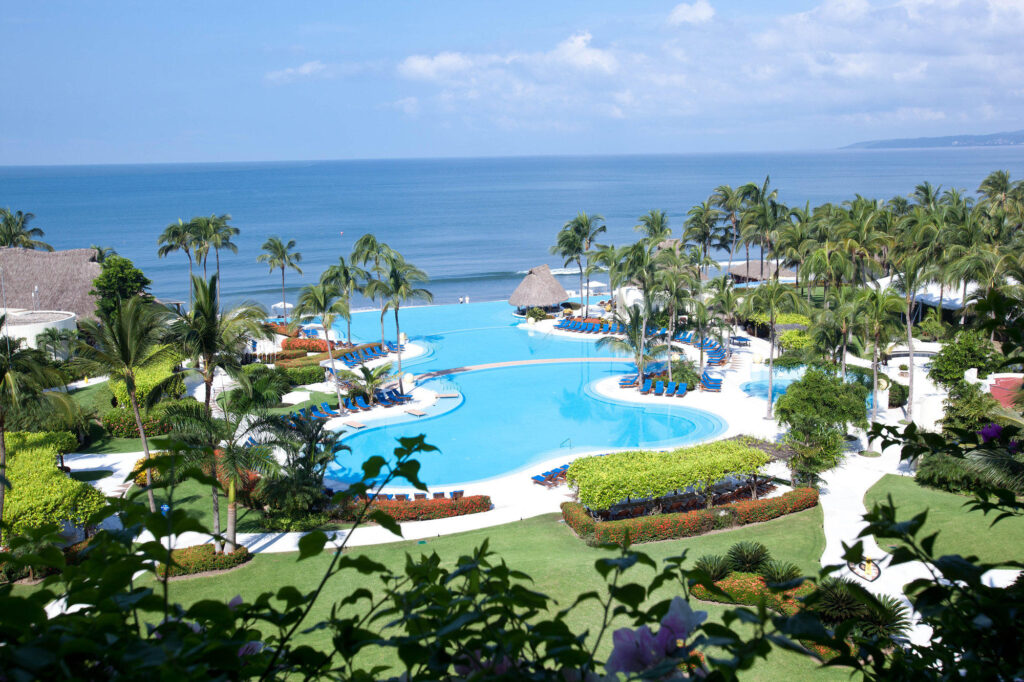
314, 68
698, 12
410, 106
576, 51
440, 66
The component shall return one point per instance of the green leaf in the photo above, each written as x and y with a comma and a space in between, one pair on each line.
312, 544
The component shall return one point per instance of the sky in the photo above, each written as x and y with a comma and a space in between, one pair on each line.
129, 82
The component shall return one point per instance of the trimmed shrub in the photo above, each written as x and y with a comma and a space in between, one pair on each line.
887, 619
939, 470
418, 510
654, 528
762, 319
794, 339
62, 442
120, 423
750, 589
716, 566
536, 314
146, 380
299, 376
777, 572
285, 522
307, 345
836, 602
201, 558
898, 394
748, 557
756, 511
578, 518
969, 348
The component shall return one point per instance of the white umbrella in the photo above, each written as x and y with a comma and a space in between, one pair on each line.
283, 305
593, 284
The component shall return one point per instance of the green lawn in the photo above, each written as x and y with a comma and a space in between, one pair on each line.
960, 531
560, 564
95, 398
316, 397
198, 499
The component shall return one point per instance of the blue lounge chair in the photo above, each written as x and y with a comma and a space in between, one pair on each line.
670, 388
457, 494
396, 397
387, 496
541, 480
328, 410
659, 388
361, 402
628, 381
647, 386
313, 412
382, 400
681, 390
401, 497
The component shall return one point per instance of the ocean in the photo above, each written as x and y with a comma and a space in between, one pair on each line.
474, 225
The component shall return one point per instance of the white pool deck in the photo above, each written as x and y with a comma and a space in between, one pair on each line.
516, 497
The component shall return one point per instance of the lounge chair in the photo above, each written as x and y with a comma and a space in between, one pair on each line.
330, 412
419, 496
659, 388
401, 497
438, 496
387, 496
647, 386
314, 412
540, 480
628, 381
681, 390
670, 388
361, 402
457, 494
381, 400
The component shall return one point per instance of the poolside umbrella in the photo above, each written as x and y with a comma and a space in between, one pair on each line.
282, 305
539, 289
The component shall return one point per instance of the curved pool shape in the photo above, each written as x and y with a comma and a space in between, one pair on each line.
758, 388
515, 417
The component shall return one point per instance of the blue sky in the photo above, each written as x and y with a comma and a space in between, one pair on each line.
106, 82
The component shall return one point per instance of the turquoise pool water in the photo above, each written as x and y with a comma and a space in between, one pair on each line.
783, 378
512, 418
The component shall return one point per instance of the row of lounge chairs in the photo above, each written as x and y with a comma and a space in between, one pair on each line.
579, 325
660, 388
549, 479
710, 383
403, 497
368, 353
387, 398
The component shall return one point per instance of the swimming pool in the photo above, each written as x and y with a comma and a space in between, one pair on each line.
515, 417
758, 387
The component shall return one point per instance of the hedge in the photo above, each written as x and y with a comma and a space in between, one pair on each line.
794, 339
898, 394
299, 376
750, 589
308, 345
419, 510
604, 481
40, 493
682, 525
62, 442
146, 380
120, 423
781, 318
201, 558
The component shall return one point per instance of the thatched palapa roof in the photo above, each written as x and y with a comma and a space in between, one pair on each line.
740, 273
539, 288
64, 279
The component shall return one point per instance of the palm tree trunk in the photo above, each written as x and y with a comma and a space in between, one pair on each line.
874, 380
963, 306
334, 370
643, 339
189, 278
217, 256
586, 306
349, 319
771, 365
217, 547
671, 335
382, 313
229, 545
910, 360
145, 449
284, 303
735, 238
845, 334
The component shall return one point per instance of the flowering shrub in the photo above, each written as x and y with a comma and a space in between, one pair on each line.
750, 589
681, 525
140, 470
200, 558
309, 345
120, 423
419, 510
635, 651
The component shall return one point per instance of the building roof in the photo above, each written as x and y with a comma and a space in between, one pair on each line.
64, 280
539, 288
754, 274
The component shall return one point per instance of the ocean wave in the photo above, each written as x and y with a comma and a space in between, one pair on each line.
556, 271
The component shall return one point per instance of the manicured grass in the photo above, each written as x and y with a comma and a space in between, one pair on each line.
96, 398
91, 475
960, 531
560, 564
197, 499
315, 398
101, 442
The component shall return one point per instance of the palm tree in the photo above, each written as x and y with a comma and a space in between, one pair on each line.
706, 325
347, 277
366, 250
56, 342
278, 254
400, 282
862, 238
724, 300
640, 266
701, 226
324, 300
844, 314
24, 376
675, 280
730, 201
610, 256
771, 299
911, 272
757, 203
177, 236
366, 381
877, 311
129, 342
221, 449
219, 235
634, 339
654, 225
102, 252
15, 231
574, 242
215, 340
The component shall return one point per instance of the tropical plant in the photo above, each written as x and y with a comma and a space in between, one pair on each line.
398, 284
910, 265
878, 310
348, 277
574, 242
278, 254
130, 341
179, 236
366, 381
118, 281
217, 234
748, 557
715, 566
368, 250
777, 572
705, 325
15, 231
633, 339
772, 299
102, 252
730, 202
323, 301
701, 227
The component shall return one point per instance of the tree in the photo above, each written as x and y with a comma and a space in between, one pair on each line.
15, 231
347, 277
701, 226
129, 341
654, 226
119, 280
968, 349
758, 211
724, 299
324, 300
878, 310
103, 252
222, 450
179, 236
366, 381
910, 265
844, 312
574, 242
634, 339
218, 234
24, 376
705, 324
773, 298
400, 282
675, 281
610, 256
278, 254
730, 201
817, 409
368, 250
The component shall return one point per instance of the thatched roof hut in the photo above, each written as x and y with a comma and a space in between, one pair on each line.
740, 272
63, 278
538, 289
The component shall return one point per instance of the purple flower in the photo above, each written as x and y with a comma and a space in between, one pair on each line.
990, 432
250, 649
634, 651
678, 624
235, 603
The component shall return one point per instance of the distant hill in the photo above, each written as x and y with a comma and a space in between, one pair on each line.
992, 140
